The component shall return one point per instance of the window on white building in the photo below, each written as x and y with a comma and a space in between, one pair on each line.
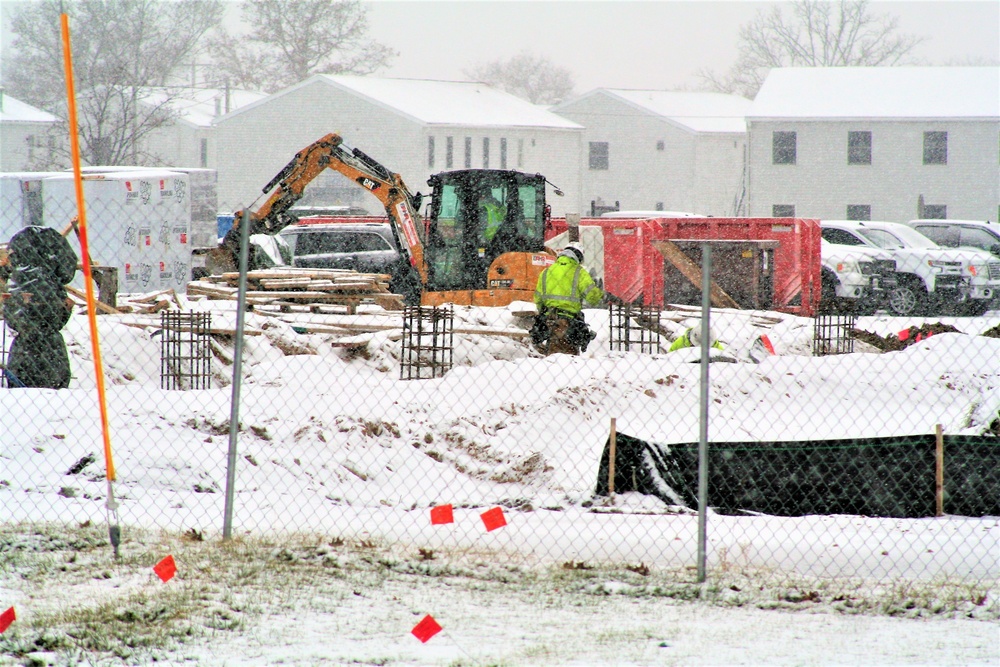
859, 148
503, 152
486, 152
783, 145
935, 212
598, 155
935, 148
449, 152
204, 153
859, 212
430, 152
468, 152
783, 211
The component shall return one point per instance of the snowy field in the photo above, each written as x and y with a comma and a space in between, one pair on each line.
332, 443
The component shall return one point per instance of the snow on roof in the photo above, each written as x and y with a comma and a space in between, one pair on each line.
879, 92
441, 102
696, 111
200, 106
13, 110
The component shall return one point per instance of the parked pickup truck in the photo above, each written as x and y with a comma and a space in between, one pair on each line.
930, 279
856, 278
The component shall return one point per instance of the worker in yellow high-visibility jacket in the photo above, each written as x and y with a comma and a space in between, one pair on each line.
561, 291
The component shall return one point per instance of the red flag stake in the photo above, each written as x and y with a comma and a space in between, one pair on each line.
493, 519
442, 514
6, 619
426, 629
166, 569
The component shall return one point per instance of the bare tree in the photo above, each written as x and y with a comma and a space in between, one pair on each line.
290, 40
819, 33
121, 49
533, 78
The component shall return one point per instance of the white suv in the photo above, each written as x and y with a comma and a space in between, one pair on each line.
961, 233
856, 278
928, 275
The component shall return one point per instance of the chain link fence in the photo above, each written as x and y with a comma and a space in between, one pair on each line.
825, 471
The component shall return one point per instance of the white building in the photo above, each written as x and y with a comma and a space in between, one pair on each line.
26, 136
879, 143
660, 150
188, 140
413, 127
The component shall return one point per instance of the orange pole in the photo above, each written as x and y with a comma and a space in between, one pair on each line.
74, 143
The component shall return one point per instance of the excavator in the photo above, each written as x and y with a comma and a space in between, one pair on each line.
481, 244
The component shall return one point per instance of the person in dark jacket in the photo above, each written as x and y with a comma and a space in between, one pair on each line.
561, 291
41, 263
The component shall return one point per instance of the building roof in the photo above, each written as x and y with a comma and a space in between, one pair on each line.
15, 111
694, 111
879, 92
200, 106
458, 103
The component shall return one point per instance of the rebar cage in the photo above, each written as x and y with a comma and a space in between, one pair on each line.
834, 334
635, 326
428, 342
185, 350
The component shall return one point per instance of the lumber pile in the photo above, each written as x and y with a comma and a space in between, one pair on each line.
287, 287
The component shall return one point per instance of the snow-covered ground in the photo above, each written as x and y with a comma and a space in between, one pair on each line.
333, 442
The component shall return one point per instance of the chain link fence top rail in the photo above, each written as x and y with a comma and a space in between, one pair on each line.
332, 441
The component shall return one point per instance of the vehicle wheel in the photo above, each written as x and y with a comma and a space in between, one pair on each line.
908, 298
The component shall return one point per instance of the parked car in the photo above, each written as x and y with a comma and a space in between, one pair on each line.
930, 278
855, 278
980, 234
363, 246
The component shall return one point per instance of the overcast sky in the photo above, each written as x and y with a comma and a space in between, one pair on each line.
656, 44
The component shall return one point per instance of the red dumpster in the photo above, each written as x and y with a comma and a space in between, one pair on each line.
634, 268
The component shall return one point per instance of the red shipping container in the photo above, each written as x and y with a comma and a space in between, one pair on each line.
633, 268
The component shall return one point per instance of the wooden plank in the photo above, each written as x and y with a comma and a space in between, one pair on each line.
692, 272
101, 306
215, 331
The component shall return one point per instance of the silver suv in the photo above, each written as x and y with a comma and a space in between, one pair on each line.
930, 278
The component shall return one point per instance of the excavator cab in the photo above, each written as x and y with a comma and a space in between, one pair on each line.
477, 215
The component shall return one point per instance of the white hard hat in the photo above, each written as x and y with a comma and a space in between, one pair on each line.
573, 250
694, 335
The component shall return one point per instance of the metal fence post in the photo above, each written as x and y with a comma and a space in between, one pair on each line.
706, 307
234, 408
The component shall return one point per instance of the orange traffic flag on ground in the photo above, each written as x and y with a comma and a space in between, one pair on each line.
166, 568
493, 519
442, 514
426, 629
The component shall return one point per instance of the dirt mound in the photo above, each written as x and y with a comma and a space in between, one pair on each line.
907, 337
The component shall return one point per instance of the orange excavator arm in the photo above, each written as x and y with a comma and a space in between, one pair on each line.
288, 186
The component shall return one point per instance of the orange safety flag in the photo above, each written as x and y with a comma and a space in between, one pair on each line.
166, 569
6, 619
442, 514
767, 343
903, 335
426, 629
493, 519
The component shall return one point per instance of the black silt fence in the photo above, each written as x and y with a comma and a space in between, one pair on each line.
879, 477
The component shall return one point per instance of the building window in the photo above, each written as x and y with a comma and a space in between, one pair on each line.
430, 152
468, 152
503, 153
783, 211
520, 153
935, 212
30, 140
935, 148
486, 152
859, 148
598, 155
859, 212
661, 145
204, 153
449, 152
783, 147
659, 206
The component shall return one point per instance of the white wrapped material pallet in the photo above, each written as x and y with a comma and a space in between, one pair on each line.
20, 201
